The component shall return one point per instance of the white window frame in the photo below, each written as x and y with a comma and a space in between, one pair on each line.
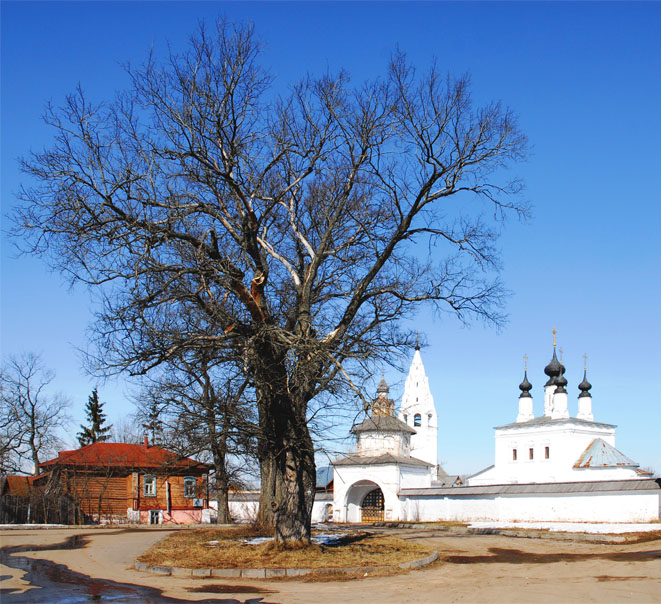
187, 481
149, 485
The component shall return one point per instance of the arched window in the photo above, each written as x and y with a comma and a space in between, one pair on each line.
189, 486
429, 419
149, 485
417, 420
406, 419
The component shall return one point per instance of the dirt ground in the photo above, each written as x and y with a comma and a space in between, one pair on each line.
473, 568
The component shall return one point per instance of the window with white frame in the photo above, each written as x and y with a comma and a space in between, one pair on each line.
189, 487
149, 488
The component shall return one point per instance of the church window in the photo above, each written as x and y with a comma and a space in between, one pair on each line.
406, 419
417, 420
513, 454
530, 453
547, 452
429, 419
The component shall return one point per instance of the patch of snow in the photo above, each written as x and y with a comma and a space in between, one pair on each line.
321, 539
571, 527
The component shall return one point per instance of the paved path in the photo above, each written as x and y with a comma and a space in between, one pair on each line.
477, 568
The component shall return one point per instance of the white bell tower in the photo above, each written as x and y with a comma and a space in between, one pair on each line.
417, 410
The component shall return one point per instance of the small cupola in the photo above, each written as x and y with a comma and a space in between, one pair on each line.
525, 386
525, 398
382, 405
584, 386
561, 381
585, 398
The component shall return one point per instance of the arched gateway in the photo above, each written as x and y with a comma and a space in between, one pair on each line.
372, 507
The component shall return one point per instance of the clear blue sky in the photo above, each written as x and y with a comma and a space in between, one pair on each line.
585, 79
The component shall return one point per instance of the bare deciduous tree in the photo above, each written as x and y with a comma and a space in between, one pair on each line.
203, 410
301, 227
29, 417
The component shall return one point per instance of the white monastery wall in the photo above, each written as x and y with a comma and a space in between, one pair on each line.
565, 507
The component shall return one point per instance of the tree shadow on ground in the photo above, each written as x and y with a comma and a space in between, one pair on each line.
517, 556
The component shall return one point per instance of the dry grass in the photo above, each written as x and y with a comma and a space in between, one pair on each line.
190, 549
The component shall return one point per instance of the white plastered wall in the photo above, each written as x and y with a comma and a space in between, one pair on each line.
352, 483
566, 442
629, 506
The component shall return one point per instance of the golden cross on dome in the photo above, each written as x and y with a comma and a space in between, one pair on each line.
585, 361
525, 362
554, 332
560, 351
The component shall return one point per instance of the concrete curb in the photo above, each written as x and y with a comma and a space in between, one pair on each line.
267, 573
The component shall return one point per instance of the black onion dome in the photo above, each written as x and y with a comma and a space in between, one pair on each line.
584, 386
553, 370
554, 367
525, 386
383, 386
561, 380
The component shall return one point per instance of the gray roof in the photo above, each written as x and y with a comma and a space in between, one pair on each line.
244, 496
384, 423
446, 481
540, 421
323, 496
600, 454
253, 496
386, 458
324, 476
636, 484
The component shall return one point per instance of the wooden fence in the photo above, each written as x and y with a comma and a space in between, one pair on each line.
40, 509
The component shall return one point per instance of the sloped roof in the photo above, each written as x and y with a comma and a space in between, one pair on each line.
545, 420
386, 458
447, 481
592, 486
382, 422
324, 476
123, 455
17, 485
600, 454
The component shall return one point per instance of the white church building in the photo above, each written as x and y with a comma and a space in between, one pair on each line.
552, 467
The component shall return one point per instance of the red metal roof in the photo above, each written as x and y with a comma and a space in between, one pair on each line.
18, 485
104, 454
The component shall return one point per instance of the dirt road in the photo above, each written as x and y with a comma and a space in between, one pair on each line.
80, 564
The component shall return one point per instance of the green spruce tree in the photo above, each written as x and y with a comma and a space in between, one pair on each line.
96, 431
153, 426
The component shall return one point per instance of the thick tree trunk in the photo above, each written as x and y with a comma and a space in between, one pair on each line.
222, 499
287, 472
267, 502
222, 481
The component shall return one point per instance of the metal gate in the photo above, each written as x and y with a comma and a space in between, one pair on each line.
372, 506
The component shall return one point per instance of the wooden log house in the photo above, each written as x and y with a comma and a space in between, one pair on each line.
134, 483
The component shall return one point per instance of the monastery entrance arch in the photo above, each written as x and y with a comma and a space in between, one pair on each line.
365, 502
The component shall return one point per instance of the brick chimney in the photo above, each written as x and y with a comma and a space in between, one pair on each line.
146, 442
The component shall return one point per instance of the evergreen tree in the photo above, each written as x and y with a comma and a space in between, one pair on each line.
97, 431
153, 426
